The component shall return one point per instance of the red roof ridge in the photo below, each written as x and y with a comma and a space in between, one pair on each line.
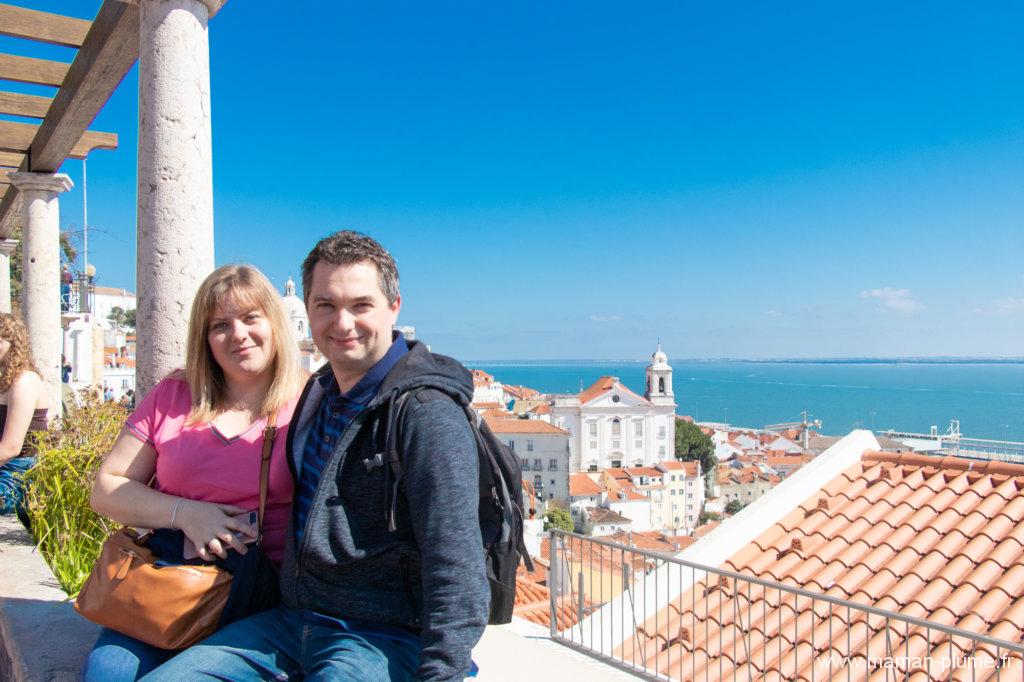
944, 462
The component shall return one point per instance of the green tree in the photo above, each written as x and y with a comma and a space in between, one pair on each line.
122, 319
692, 445
734, 507
559, 518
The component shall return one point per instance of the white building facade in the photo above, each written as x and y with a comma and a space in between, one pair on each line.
611, 426
543, 450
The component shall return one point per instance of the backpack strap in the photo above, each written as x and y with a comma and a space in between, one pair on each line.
396, 413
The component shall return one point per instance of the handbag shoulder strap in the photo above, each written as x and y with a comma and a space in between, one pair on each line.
269, 434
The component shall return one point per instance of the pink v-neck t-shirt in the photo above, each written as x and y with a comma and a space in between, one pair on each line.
197, 462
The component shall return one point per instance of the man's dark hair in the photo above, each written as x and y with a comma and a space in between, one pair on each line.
348, 248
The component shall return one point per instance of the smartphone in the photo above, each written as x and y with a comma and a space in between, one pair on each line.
249, 518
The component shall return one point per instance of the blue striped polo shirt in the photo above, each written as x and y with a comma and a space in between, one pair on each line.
337, 410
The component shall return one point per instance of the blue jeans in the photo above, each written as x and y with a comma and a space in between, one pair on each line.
12, 487
283, 644
116, 658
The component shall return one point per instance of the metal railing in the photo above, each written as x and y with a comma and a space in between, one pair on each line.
662, 618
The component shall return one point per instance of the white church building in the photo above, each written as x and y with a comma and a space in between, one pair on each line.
295, 309
611, 426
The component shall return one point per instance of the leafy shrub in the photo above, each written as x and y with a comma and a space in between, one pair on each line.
559, 518
734, 507
708, 517
69, 533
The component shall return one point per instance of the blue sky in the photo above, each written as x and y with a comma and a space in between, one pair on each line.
579, 179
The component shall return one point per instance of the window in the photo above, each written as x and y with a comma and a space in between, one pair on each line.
537, 482
593, 467
616, 463
553, 464
615, 398
593, 445
526, 464
661, 384
661, 431
661, 449
552, 483
529, 445
537, 464
616, 444
512, 445
592, 429
616, 428
638, 429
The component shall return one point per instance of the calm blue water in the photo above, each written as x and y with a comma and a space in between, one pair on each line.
988, 399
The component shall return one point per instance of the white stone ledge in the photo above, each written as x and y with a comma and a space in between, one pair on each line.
41, 636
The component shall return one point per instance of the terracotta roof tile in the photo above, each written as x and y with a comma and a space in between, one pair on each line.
581, 485
534, 426
935, 538
533, 603
603, 385
650, 472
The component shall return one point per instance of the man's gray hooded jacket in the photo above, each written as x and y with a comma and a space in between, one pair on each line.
429, 574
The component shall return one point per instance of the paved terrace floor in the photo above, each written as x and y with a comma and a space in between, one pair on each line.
42, 638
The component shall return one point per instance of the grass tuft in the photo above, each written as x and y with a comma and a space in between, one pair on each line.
69, 533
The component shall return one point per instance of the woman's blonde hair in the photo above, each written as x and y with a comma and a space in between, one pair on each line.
246, 286
19, 356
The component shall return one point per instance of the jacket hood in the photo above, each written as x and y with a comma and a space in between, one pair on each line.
420, 368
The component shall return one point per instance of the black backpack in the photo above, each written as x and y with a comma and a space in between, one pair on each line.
501, 506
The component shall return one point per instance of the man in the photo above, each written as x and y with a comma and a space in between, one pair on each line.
362, 601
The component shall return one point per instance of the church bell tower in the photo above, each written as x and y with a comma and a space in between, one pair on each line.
659, 379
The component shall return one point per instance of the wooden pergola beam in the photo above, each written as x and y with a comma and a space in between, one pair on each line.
109, 51
19, 137
107, 55
32, 70
18, 104
55, 29
11, 159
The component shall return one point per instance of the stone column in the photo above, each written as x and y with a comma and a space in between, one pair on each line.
40, 272
175, 179
6, 250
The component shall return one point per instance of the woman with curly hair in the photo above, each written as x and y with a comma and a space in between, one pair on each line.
22, 409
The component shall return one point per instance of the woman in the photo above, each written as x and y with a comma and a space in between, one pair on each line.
22, 409
201, 433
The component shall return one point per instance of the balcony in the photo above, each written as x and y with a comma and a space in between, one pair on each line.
662, 618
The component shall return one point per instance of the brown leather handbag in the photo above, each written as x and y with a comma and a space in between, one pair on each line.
168, 606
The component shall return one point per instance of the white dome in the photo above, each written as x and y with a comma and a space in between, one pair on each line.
293, 305
659, 359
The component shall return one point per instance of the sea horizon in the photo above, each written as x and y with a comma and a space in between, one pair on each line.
909, 394
853, 360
